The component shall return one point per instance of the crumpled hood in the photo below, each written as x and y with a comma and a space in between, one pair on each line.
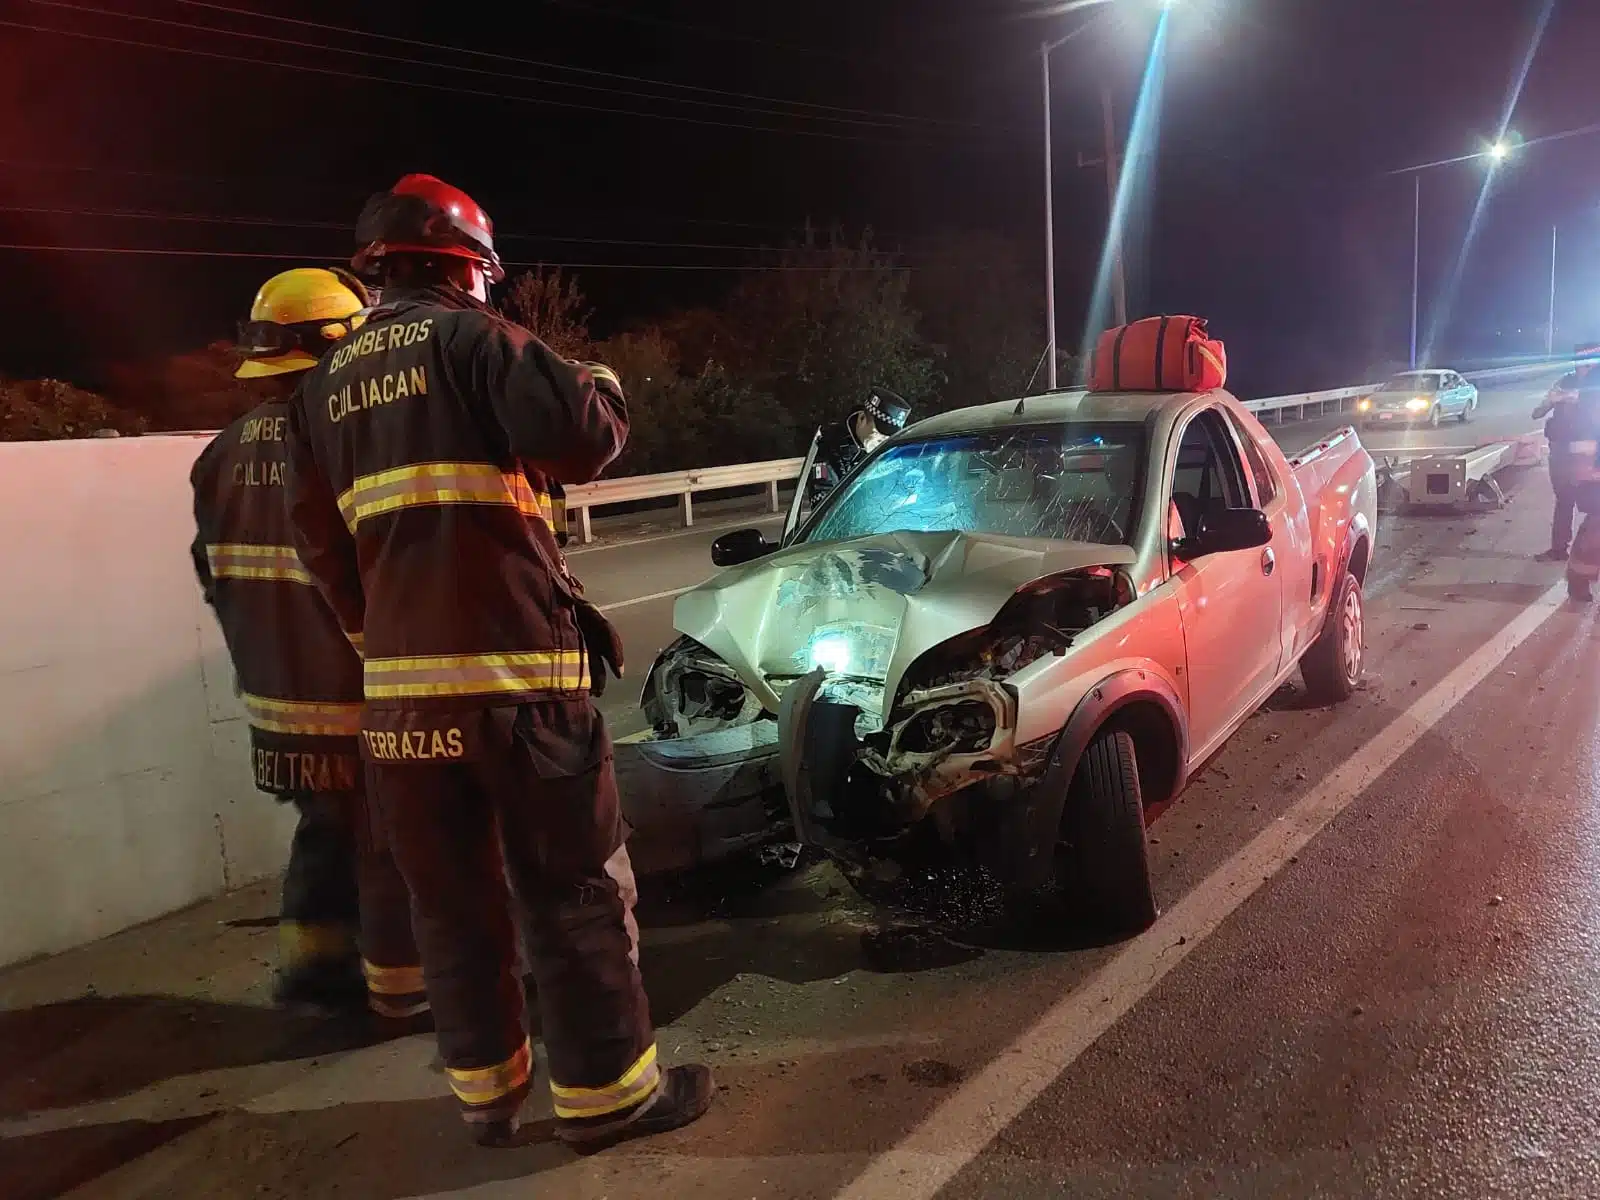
867, 607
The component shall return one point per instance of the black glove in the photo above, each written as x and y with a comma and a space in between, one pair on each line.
601, 643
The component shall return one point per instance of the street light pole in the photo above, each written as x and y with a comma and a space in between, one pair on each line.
1416, 260
1550, 329
1119, 287
1049, 227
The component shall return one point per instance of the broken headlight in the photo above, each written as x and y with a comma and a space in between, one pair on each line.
851, 648
691, 690
964, 727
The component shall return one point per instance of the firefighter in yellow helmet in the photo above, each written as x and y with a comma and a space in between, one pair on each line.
345, 926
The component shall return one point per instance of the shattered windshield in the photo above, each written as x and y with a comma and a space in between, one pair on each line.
1074, 482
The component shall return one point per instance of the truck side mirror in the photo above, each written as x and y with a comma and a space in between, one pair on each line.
1224, 530
740, 546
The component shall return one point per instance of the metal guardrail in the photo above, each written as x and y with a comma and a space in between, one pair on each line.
682, 484
1319, 402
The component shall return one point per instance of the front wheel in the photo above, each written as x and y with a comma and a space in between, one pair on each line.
1332, 667
1102, 867
1435, 417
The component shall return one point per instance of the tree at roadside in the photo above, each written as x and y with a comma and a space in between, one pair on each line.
552, 305
828, 319
37, 410
186, 391
983, 316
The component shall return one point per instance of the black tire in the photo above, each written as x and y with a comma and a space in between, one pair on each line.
1435, 417
1332, 667
1102, 866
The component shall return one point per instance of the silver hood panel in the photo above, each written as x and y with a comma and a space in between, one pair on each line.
869, 607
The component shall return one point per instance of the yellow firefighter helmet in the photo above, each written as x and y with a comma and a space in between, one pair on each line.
297, 317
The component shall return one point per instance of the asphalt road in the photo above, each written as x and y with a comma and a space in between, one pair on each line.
1375, 975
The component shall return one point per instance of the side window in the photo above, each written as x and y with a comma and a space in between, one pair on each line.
1208, 477
1260, 469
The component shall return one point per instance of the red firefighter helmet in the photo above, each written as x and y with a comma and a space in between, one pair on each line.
423, 214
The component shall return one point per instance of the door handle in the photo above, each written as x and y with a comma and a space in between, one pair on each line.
1268, 562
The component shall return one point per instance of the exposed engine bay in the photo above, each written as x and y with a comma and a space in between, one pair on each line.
953, 720
879, 765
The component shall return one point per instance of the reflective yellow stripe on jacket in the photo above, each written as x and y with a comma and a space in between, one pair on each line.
637, 1085
476, 674
240, 560
441, 483
312, 718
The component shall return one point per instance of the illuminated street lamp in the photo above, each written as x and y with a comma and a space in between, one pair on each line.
1496, 153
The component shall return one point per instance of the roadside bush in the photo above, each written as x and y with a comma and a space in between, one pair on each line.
36, 410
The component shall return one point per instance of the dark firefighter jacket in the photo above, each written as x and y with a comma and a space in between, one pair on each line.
423, 452
298, 675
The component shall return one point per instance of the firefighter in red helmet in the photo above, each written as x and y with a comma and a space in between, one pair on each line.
423, 453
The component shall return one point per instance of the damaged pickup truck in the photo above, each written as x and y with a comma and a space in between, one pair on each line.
1013, 634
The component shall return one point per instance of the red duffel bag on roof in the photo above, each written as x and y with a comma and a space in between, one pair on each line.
1158, 354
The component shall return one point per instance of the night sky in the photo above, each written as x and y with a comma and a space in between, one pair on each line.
1269, 210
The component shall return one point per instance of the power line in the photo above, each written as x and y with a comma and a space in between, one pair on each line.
590, 71
120, 214
362, 77
730, 35
184, 252
610, 90
236, 181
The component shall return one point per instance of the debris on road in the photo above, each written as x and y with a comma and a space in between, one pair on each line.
931, 1072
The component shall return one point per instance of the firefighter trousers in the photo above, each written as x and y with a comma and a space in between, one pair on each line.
345, 907
531, 799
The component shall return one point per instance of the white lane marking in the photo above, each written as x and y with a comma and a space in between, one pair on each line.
956, 1132
616, 604
753, 520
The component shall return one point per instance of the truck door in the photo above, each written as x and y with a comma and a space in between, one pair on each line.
1230, 603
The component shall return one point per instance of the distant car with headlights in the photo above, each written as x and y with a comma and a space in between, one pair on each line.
1009, 635
1420, 398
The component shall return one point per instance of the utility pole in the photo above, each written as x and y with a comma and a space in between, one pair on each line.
1119, 287
1049, 228
1113, 165
1416, 259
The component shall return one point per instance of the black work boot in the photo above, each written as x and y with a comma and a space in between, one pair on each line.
1578, 590
1551, 555
332, 987
684, 1097
496, 1134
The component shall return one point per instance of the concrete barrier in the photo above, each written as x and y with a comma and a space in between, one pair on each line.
124, 784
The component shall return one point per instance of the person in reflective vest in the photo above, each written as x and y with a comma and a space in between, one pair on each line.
345, 926
426, 456
1583, 565
1569, 449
